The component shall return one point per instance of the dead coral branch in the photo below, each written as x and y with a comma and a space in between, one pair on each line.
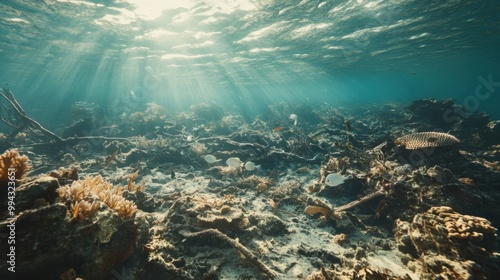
236, 245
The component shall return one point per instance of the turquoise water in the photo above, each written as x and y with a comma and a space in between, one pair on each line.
246, 54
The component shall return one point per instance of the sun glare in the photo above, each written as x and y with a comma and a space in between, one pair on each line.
152, 9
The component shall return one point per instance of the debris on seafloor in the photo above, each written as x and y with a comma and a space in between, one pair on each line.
236, 245
380, 217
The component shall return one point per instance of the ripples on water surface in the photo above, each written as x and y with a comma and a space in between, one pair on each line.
254, 52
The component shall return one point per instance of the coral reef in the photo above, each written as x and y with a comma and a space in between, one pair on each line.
83, 198
444, 243
90, 249
12, 162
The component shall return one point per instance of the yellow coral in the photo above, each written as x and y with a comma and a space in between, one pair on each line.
12, 161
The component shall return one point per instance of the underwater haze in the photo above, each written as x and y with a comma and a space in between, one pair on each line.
246, 54
249, 139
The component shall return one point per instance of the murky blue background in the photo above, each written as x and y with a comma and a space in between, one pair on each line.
245, 54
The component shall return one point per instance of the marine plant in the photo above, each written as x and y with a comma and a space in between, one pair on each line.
12, 160
84, 197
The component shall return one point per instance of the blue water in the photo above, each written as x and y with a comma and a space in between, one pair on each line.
243, 54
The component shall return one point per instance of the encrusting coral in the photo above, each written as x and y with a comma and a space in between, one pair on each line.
422, 140
18, 165
463, 227
83, 198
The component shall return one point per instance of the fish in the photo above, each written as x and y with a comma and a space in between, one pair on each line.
347, 125
334, 179
293, 117
250, 166
234, 162
111, 158
278, 128
211, 159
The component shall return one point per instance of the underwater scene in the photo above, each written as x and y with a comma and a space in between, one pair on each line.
249, 139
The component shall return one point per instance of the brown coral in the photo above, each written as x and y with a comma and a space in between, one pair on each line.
12, 162
422, 140
463, 227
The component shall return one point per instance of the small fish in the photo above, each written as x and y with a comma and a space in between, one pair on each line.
211, 159
272, 203
172, 174
234, 162
350, 145
347, 125
250, 166
278, 128
111, 158
293, 118
334, 179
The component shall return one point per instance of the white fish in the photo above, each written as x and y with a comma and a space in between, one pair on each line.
211, 159
334, 179
293, 118
234, 162
250, 166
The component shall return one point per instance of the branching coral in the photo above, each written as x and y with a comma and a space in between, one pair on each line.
156, 144
133, 187
12, 162
257, 182
84, 197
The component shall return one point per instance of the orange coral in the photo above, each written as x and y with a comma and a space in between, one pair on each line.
84, 197
18, 164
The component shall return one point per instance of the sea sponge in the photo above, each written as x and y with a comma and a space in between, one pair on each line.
422, 140
325, 212
17, 164
84, 197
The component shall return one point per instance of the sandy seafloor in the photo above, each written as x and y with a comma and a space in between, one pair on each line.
433, 216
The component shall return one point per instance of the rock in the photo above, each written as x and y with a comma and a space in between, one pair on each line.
49, 243
31, 191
